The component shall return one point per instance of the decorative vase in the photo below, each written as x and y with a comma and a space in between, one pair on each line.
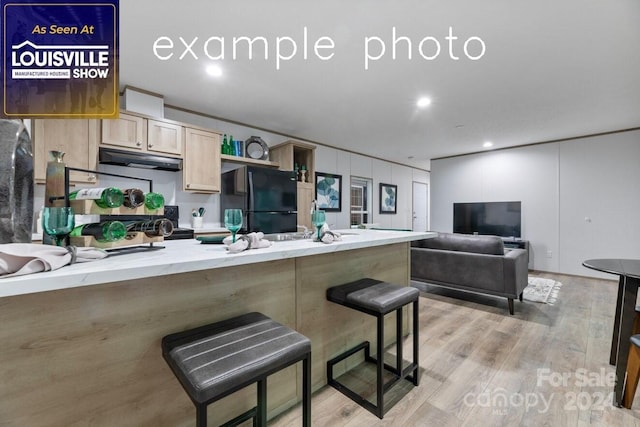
16, 183
54, 188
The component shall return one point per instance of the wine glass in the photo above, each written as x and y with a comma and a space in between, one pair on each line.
233, 221
318, 219
58, 222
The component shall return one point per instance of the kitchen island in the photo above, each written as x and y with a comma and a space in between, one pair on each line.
81, 345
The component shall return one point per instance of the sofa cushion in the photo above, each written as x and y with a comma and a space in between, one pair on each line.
489, 245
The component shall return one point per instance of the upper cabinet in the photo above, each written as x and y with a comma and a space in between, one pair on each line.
143, 134
201, 171
77, 138
291, 153
127, 131
164, 137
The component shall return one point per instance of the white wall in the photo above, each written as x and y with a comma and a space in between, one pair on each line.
559, 185
600, 200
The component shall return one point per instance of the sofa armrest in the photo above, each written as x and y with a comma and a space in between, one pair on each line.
516, 270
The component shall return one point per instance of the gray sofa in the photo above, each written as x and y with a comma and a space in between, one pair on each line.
471, 263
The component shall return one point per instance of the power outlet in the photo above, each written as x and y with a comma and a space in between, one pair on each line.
549, 254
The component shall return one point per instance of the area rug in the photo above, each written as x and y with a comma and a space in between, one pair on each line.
542, 290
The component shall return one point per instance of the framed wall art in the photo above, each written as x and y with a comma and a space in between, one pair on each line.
388, 198
329, 192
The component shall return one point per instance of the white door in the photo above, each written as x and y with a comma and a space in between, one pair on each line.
420, 206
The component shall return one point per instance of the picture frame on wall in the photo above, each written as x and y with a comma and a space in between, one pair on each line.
388, 198
329, 192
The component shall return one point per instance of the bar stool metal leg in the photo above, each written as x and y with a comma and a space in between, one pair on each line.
415, 343
201, 415
380, 368
399, 341
306, 391
262, 403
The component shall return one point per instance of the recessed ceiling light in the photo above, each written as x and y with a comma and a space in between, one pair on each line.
487, 144
214, 70
423, 102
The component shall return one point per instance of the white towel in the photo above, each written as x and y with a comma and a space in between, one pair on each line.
250, 241
17, 259
328, 236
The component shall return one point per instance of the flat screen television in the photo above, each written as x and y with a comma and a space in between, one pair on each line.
491, 218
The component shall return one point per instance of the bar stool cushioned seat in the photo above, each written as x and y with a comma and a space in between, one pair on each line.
377, 298
372, 296
215, 360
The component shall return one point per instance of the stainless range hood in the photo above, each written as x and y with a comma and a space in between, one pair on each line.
111, 156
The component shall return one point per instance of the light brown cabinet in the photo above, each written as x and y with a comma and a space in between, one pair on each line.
289, 154
306, 193
127, 131
78, 138
164, 137
201, 172
138, 133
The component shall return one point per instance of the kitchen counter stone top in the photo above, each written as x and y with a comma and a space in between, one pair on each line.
183, 256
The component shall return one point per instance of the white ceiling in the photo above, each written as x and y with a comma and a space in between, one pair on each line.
552, 69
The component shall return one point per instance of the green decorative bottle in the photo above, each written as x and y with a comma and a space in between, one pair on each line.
107, 231
231, 147
110, 197
153, 201
225, 145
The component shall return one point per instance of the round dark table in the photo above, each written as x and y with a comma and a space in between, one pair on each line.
629, 272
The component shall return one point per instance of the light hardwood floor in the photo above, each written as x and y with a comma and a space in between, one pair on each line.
480, 366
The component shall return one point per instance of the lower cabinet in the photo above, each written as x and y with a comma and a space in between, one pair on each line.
201, 166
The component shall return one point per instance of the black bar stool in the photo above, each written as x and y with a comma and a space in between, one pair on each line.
216, 360
377, 299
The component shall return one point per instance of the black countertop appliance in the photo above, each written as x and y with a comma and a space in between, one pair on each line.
172, 213
267, 197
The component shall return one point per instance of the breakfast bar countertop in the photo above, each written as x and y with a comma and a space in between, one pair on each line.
181, 256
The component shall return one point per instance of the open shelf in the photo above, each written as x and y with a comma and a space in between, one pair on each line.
248, 161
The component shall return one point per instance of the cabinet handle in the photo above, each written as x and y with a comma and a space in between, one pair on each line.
188, 185
138, 143
149, 145
92, 177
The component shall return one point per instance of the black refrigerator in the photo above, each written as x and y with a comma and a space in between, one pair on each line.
267, 197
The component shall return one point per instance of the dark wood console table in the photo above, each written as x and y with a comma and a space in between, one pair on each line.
629, 272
